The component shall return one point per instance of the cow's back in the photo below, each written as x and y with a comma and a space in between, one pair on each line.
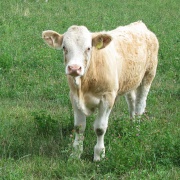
137, 49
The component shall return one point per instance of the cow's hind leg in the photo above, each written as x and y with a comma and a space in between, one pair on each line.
130, 99
142, 93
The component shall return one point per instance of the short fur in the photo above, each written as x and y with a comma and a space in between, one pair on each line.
122, 61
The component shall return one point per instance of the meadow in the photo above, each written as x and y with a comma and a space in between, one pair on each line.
36, 117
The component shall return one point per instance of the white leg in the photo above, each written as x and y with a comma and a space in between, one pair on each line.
130, 99
141, 96
79, 126
100, 126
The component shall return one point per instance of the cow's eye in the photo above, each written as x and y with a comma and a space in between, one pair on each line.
65, 50
88, 49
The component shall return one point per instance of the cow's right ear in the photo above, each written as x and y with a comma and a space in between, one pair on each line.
53, 39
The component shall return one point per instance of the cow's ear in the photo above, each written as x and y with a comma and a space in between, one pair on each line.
53, 39
101, 41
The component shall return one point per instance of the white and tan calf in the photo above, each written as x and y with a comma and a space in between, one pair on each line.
102, 65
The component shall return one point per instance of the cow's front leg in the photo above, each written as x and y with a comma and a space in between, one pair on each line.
79, 127
100, 126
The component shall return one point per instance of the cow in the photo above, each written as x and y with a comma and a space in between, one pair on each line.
102, 65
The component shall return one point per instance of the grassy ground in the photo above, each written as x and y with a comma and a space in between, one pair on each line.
36, 120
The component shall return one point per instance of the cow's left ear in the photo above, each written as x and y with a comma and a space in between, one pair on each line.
101, 41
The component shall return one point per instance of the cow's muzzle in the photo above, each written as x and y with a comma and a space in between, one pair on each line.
74, 70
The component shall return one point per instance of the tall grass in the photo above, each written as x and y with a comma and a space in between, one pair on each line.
36, 118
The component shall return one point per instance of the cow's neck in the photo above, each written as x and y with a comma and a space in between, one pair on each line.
75, 84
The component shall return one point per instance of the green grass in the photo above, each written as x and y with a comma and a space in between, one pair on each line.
36, 118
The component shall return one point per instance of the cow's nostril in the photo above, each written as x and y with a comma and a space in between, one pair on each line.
74, 67
69, 67
74, 70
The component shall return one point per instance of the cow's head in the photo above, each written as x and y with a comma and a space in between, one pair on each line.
77, 45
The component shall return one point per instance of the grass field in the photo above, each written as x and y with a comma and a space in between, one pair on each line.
36, 118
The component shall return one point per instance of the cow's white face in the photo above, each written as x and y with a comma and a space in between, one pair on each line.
77, 45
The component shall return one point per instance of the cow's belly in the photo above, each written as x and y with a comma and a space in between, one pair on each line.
129, 86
